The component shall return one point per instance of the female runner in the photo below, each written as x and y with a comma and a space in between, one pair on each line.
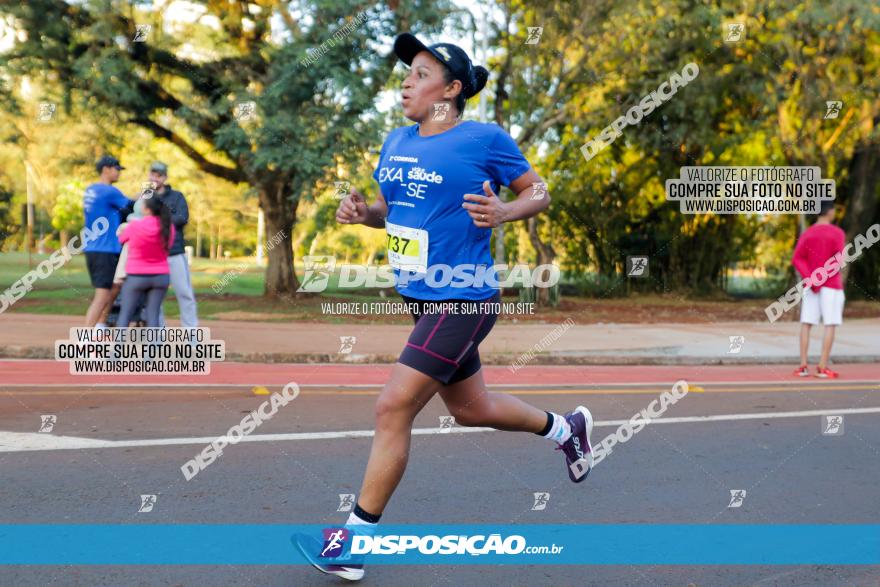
430, 176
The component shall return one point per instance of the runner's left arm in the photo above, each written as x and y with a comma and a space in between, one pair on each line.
532, 197
488, 211
506, 165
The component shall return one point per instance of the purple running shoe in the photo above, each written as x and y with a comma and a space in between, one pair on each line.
577, 449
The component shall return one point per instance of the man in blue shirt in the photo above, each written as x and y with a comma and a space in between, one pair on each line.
102, 200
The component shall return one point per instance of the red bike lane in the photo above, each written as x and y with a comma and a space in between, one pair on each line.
27, 372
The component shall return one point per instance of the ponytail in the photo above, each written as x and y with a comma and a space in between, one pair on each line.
160, 210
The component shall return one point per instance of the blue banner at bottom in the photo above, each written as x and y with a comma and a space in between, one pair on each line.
600, 544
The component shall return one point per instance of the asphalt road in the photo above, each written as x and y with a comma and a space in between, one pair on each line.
672, 473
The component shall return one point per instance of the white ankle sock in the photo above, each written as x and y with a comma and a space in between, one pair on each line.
560, 431
361, 526
354, 520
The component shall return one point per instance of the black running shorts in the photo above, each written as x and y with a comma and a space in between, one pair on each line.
102, 268
443, 344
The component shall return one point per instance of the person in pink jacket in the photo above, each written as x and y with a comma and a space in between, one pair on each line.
824, 300
147, 266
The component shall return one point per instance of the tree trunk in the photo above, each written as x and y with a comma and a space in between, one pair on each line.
280, 212
861, 211
546, 255
64, 238
198, 239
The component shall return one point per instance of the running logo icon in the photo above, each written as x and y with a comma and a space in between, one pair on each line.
346, 501
245, 111
318, 270
539, 190
832, 109
736, 345
47, 423
47, 111
446, 424
334, 542
535, 33
346, 343
141, 32
832, 425
441, 109
736, 498
735, 32
148, 188
542, 498
342, 189
147, 503
637, 266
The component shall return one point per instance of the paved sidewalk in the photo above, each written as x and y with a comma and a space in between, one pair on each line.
858, 341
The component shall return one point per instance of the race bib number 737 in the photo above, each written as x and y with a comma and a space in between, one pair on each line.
407, 247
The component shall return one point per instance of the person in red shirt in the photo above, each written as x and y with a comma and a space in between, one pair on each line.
824, 298
147, 265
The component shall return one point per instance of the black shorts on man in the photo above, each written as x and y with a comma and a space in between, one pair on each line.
102, 268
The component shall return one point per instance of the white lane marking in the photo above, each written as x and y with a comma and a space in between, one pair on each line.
30, 441
809, 383
18, 441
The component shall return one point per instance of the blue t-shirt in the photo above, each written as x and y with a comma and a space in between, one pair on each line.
102, 200
423, 181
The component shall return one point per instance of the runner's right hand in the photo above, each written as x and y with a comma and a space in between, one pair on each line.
352, 209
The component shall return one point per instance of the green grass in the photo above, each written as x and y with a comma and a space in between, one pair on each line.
68, 290
74, 274
752, 287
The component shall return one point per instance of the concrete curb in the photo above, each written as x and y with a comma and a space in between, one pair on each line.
598, 358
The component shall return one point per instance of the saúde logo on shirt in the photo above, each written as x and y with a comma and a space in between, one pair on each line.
420, 174
419, 178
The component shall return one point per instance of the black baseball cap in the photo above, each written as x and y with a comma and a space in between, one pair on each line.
473, 79
107, 161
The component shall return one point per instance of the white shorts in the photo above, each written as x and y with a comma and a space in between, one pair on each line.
120, 274
827, 304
